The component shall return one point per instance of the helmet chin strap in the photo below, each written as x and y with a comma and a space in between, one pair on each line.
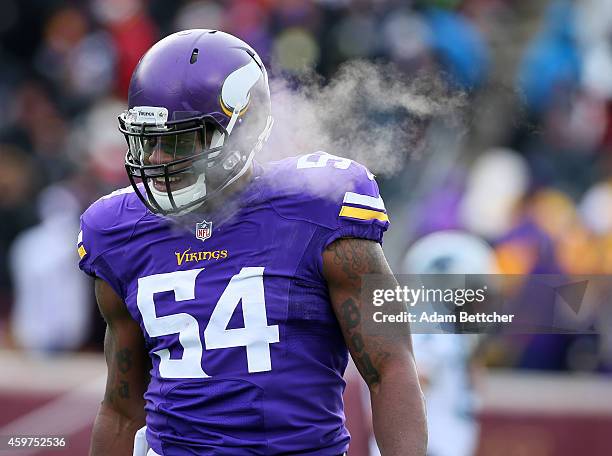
262, 138
182, 196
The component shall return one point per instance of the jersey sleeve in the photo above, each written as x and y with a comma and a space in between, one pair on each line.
339, 198
93, 245
338, 195
359, 211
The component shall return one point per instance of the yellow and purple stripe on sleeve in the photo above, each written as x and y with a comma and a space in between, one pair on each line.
363, 207
81, 247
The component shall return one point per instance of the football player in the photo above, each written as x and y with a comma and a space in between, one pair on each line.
446, 363
231, 290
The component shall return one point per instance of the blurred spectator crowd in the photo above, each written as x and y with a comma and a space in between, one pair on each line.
528, 171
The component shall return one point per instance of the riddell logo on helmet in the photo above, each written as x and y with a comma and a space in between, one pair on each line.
187, 256
149, 114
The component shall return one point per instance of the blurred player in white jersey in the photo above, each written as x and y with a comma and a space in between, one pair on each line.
444, 360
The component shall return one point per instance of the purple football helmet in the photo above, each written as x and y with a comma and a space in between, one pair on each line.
198, 111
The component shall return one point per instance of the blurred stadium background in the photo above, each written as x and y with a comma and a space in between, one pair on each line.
529, 171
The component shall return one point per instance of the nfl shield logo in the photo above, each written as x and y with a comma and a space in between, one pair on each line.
203, 230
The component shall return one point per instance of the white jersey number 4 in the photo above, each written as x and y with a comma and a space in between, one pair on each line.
256, 335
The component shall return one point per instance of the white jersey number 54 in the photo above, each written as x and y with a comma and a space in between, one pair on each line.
256, 335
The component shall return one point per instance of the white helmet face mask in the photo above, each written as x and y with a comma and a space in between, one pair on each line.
186, 196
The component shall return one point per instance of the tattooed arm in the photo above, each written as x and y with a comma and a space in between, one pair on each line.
384, 358
121, 413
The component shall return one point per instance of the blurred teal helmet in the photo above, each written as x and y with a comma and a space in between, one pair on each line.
450, 252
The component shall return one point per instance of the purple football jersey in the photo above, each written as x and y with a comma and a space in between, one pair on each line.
247, 354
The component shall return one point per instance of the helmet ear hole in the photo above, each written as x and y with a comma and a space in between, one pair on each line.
194, 56
230, 162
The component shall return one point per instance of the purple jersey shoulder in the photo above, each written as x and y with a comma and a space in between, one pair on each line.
333, 192
106, 225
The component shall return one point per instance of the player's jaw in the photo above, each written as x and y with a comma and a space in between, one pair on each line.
180, 175
175, 181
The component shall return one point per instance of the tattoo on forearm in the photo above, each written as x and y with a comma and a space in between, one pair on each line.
370, 373
119, 392
351, 314
352, 258
357, 342
352, 319
121, 365
124, 360
123, 389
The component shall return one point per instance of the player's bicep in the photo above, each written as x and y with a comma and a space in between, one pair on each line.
345, 262
125, 353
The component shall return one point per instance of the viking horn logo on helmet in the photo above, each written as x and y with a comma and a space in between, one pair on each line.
193, 130
236, 90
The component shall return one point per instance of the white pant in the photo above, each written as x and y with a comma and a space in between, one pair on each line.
141, 447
